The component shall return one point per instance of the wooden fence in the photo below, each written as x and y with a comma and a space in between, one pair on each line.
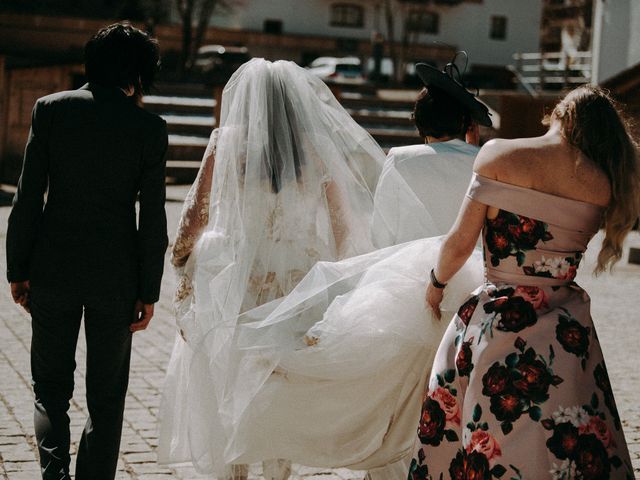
20, 87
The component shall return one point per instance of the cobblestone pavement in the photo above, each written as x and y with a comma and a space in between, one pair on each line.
615, 312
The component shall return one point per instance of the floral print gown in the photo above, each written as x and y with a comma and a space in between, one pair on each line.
519, 388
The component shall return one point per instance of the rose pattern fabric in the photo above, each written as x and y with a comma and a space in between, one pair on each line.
519, 375
602, 381
483, 442
573, 337
432, 423
600, 429
523, 386
465, 312
513, 313
519, 385
470, 465
464, 359
448, 403
536, 296
563, 268
581, 437
512, 235
440, 412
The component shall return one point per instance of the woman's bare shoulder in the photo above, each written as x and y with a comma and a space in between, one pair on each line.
546, 164
499, 153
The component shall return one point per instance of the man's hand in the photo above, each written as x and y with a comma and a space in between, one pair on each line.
20, 292
142, 313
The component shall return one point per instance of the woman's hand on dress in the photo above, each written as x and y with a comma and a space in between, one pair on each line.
433, 298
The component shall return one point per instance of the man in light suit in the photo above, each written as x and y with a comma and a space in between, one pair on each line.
422, 186
83, 251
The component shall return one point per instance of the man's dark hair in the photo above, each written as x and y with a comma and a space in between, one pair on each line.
122, 56
437, 114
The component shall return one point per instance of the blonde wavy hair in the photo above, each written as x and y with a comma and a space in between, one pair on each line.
591, 121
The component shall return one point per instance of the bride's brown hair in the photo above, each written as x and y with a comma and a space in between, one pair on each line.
591, 121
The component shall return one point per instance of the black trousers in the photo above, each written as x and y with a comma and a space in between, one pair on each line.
56, 322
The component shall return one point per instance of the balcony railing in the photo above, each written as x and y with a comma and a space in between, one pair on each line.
538, 72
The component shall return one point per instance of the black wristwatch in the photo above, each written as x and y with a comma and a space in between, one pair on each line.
435, 282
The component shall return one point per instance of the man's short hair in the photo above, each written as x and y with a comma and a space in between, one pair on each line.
437, 114
122, 56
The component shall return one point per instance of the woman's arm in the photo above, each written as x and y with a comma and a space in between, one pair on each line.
195, 212
456, 248
338, 214
461, 239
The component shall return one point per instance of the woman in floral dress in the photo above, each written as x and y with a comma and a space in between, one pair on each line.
519, 387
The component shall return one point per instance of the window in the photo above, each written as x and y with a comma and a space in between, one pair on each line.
272, 26
498, 28
421, 21
347, 15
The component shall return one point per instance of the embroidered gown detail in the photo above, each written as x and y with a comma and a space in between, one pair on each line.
519, 385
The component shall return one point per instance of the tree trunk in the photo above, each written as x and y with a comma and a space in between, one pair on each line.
404, 50
206, 10
185, 8
391, 40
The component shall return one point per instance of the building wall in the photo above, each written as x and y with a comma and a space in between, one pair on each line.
634, 37
38, 36
465, 26
616, 37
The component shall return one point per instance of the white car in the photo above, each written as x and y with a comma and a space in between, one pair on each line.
338, 70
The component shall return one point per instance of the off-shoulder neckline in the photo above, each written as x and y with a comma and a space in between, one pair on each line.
512, 186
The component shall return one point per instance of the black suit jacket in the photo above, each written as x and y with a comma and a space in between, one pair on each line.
96, 152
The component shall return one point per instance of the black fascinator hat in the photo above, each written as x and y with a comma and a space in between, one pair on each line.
445, 81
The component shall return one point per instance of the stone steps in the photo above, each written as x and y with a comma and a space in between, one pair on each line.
193, 125
179, 105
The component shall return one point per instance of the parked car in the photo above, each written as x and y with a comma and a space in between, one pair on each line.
338, 70
386, 70
215, 64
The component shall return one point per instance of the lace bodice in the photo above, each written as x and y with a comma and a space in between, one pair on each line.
195, 211
286, 253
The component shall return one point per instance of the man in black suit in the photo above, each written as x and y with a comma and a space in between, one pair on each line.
94, 152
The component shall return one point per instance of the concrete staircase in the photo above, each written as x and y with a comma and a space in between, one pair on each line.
189, 112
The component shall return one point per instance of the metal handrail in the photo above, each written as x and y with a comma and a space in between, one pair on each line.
550, 55
536, 70
521, 80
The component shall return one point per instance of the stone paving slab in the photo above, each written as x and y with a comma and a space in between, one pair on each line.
615, 310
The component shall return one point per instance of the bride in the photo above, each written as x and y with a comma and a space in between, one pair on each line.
267, 371
286, 182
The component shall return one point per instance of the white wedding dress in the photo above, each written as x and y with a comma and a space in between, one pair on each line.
420, 190
289, 351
